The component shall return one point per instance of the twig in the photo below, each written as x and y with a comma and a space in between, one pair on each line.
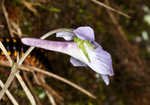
13, 100
17, 29
132, 51
9, 80
27, 68
55, 31
32, 90
115, 22
11, 76
7, 19
49, 89
5, 53
12, 26
29, 6
25, 88
1, 26
63, 80
109, 8
51, 98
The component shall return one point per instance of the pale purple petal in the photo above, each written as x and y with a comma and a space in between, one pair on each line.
63, 47
106, 79
76, 62
85, 33
66, 35
101, 61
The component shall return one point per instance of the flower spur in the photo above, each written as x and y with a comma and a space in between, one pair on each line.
82, 48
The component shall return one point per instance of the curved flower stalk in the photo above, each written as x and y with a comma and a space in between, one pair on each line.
81, 46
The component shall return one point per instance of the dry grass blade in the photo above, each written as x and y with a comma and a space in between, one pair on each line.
12, 26
9, 95
7, 19
9, 80
51, 98
25, 55
109, 8
55, 31
17, 28
25, 88
51, 75
115, 22
31, 88
63, 80
12, 74
1, 26
6, 53
14, 67
29, 6
49, 89
11, 77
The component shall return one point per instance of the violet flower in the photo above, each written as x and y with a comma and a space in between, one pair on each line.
82, 48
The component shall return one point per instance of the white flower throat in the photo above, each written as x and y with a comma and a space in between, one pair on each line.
81, 45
